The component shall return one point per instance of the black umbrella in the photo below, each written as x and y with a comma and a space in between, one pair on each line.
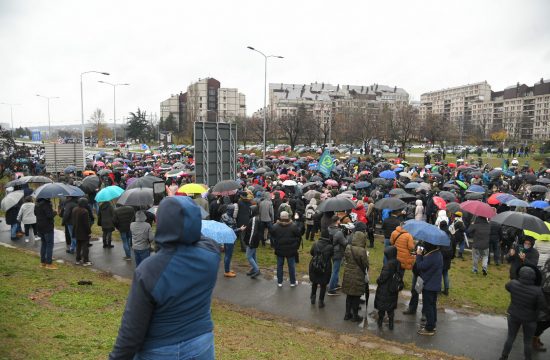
390, 203
538, 189
269, 173
137, 197
147, 181
380, 181
316, 178
447, 196
453, 207
406, 197
104, 172
225, 187
545, 181
529, 178
397, 191
56, 190
450, 186
260, 171
547, 209
521, 221
38, 179
90, 184
17, 182
310, 184
336, 204
474, 196
348, 179
495, 173
69, 169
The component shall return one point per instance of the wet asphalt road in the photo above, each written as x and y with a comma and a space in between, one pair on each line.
477, 337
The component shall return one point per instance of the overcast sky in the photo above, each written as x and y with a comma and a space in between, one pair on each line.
160, 47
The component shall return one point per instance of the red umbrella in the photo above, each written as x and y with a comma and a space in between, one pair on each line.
283, 177
452, 165
292, 173
281, 194
461, 167
478, 208
493, 199
440, 202
331, 182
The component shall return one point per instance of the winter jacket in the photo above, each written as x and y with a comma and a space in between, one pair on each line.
286, 238
404, 243
142, 233
44, 216
325, 220
253, 235
361, 213
531, 258
441, 216
430, 267
106, 216
81, 223
480, 231
266, 209
419, 211
171, 293
11, 215
339, 241
389, 225
123, 217
26, 214
66, 211
356, 264
385, 299
459, 230
243, 214
324, 247
527, 298
311, 209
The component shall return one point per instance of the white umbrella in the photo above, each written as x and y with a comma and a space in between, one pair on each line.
289, 183
11, 199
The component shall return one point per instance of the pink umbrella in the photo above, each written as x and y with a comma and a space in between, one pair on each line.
440, 202
100, 163
331, 182
478, 208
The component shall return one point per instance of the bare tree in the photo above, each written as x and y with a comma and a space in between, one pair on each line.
402, 125
243, 129
292, 125
98, 126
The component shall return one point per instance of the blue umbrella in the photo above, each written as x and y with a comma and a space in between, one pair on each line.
362, 185
218, 231
69, 169
57, 190
504, 198
476, 188
109, 193
539, 204
518, 203
388, 174
427, 232
412, 185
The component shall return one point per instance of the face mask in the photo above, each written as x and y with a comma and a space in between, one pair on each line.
526, 246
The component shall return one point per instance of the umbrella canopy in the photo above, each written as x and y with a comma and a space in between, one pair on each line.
495, 173
218, 231
260, 171
397, 191
147, 181
521, 221
336, 204
380, 181
539, 204
462, 184
406, 175
390, 203
447, 196
412, 185
282, 194
439, 202
492, 200
387, 174
544, 181
453, 207
137, 197
104, 172
331, 182
311, 194
406, 197
504, 198
362, 185
174, 173
90, 184
450, 186
310, 184
476, 189
423, 186
11, 199
538, 189
178, 165
429, 233
478, 208
537, 236
290, 183
517, 203
109, 193
70, 169
38, 180
316, 178
192, 189
474, 196
17, 182
57, 190
226, 187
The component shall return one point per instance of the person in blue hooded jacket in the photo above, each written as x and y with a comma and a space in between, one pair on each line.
167, 314
429, 262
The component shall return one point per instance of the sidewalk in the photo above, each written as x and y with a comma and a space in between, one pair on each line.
477, 337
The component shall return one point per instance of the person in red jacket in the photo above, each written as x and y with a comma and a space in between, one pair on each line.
361, 212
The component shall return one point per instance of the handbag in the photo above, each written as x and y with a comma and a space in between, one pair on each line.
419, 285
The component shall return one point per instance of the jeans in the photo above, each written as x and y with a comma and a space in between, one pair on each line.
126, 238
251, 257
46, 248
73, 239
141, 255
446, 279
291, 269
198, 348
429, 308
228, 254
68, 236
386, 244
528, 332
494, 247
461, 247
14, 231
82, 250
334, 277
476, 255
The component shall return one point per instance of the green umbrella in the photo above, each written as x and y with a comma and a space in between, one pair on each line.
462, 184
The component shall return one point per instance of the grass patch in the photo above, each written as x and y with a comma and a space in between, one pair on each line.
46, 315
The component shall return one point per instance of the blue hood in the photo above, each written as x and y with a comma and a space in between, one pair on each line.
178, 221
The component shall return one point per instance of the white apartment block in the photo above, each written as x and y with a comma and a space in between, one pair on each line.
170, 106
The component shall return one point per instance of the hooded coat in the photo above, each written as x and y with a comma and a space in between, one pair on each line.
266, 208
357, 263
527, 298
44, 216
480, 231
81, 221
324, 247
171, 293
386, 300
105, 216
311, 208
361, 213
286, 238
531, 258
142, 233
404, 242
419, 211
26, 214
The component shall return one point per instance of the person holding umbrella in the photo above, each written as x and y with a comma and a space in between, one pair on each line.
45, 225
429, 262
105, 218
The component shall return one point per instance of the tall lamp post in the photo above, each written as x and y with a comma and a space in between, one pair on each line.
48, 98
114, 101
11, 116
82, 111
265, 92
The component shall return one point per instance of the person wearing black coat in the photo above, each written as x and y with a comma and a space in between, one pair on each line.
252, 238
385, 300
11, 219
286, 238
494, 243
65, 211
447, 252
521, 254
243, 216
323, 249
82, 230
105, 217
45, 225
122, 218
527, 300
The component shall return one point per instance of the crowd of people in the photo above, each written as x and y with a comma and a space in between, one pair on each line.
283, 202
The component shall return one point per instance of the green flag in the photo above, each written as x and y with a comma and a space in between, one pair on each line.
326, 163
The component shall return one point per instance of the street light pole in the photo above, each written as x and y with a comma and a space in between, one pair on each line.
82, 111
265, 94
114, 101
11, 116
48, 98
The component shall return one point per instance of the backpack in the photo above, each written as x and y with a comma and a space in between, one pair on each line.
396, 283
310, 212
318, 263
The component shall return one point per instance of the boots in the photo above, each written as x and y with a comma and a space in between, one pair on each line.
391, 321
380, 319
321, 304
446, 292
538, 345
348, 315
312, 298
